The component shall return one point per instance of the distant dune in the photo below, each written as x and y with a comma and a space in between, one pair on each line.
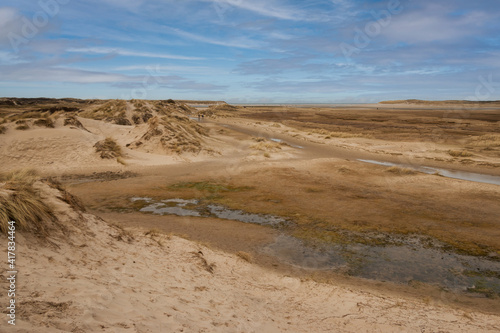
424, 102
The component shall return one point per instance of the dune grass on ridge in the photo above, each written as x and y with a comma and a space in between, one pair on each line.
21, 203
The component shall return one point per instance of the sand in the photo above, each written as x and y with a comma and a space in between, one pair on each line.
97, 277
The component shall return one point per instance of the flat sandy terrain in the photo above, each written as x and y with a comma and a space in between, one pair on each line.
334, 243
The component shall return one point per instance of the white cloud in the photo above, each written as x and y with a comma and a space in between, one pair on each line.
199, 70
123, 52
59, 74
9, 22
9, 58
242, 42
265, 8
434, 24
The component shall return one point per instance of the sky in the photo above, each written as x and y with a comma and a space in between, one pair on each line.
259, 51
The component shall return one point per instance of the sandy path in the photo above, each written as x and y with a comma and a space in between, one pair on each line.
356, 148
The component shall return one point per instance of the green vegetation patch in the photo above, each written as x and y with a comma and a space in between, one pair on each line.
208, 186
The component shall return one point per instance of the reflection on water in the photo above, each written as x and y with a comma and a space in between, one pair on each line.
239, 215
183, 207
402, 264
474, 177
170, 206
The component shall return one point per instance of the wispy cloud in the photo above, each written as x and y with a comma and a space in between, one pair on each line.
241, 42
199, 70
129, 53
435, 24
263, 8
36, 73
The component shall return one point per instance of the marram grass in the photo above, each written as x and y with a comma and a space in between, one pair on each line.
21, 203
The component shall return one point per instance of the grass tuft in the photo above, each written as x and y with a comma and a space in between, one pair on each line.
21, 203
108, 148
44, 122
458, 153
23, 127
267, 146
401, 171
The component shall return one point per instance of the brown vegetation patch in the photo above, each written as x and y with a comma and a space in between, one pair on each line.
73, 121
459, 153
267, 146
20, 202
44, 122
108, 148
174, 133
112, 111
401, 171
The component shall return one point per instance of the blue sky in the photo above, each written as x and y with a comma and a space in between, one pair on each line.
259, 51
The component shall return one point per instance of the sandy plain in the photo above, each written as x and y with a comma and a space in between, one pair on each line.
301, 164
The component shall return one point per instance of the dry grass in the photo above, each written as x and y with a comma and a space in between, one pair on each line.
73, 121
486, 141
27, 115
174, 133
22, 126
458, 153
329, 134
153, 232
21, 203
245, 256
123, 234
267, 146
3, 129
44, 122
108, 148
401, 171
67, 197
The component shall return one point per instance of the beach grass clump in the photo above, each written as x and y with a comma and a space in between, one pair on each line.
459, 153
74, 122
267, 146
21, 203
108, 149
44, 122
3, 129
401, 171
22, 125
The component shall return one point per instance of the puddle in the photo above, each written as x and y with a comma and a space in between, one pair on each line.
183, 207
470, 176
239, 215
400, 264
171, 206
